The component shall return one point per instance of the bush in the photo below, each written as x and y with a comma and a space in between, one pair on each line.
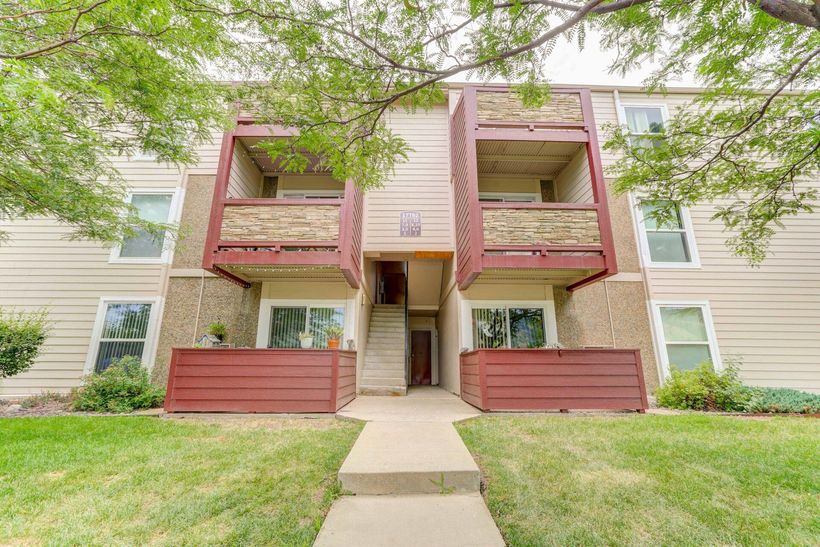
21, 337
122, 387
704, 389
781, 399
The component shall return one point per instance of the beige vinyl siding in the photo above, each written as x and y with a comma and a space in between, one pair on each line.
245, 180
42, 269
769, 317
574, 184
422, 183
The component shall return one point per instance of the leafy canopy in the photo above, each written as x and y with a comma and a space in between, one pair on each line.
78, 73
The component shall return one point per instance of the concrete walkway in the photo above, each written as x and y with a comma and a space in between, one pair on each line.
414, 482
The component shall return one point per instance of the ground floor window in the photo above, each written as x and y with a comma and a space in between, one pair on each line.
286, 322
509, 326
123, 329
687, 336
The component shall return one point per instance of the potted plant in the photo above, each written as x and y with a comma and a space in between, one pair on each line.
334, 335
306, 339
218, 329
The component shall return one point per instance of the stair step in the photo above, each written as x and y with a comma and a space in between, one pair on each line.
381, 391
409, 458
383, 373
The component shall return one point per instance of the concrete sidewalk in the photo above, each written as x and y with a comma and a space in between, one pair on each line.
414, 482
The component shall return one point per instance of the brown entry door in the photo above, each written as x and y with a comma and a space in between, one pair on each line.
421, 357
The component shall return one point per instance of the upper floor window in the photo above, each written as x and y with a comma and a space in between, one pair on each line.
669, 243
510, 197
643, 122
153, 206
686, 335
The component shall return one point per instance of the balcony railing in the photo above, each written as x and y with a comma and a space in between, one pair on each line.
270, 234
539, 237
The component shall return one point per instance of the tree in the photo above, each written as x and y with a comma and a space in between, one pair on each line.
335, 69
86, 81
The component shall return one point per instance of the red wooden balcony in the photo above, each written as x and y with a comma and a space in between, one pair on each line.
553, 379
530, 197
254, 238
260, 380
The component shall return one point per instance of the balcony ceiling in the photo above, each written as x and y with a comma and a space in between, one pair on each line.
524, 157
266, 164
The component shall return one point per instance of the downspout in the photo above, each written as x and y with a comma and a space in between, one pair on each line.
636, 235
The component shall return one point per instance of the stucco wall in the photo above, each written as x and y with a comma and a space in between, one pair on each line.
186, 318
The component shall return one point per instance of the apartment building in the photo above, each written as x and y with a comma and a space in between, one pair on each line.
494, 263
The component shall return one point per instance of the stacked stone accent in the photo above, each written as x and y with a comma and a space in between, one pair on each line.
541, 227
505, 106
280, 223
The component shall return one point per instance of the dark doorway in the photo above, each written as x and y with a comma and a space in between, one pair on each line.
392, 282
421, 357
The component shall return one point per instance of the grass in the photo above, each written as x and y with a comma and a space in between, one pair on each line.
650, 480
131, 480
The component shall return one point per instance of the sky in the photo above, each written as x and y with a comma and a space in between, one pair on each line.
569, 65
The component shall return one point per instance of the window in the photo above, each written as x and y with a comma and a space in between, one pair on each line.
286, 322
123, 328
143, 247
514, 197
686, 335
508, 327
643, 122
313, 194
670, 242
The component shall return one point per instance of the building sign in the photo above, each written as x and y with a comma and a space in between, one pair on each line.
410, 224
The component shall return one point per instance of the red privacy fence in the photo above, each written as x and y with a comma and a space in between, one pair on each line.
553, 379
260, 380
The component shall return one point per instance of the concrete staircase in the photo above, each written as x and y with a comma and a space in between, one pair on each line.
384, 360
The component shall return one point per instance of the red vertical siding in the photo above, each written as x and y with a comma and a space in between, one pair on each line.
548, 379
350, 234
464, 173
259, 380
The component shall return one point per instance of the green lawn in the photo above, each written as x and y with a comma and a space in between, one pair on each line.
650, 480
128, 481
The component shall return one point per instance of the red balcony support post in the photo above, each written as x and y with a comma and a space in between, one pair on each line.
599, 194
223, 174
350, 234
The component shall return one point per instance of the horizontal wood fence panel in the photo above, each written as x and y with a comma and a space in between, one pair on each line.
553, 379
260, 380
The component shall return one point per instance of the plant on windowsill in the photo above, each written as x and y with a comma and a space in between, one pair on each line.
306, 339
334, 335
217, 329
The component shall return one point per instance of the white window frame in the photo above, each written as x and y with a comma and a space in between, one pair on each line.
551, 326
265, 305
174, 212
512, 197
711, 336
151, 334
622, 114
299, 194
688, 230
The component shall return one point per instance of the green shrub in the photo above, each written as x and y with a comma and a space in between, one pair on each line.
122, 387
704, 389
21, 337
781, 399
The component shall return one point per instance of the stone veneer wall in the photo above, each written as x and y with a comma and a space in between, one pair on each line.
504, 106
281, 223
541, 226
